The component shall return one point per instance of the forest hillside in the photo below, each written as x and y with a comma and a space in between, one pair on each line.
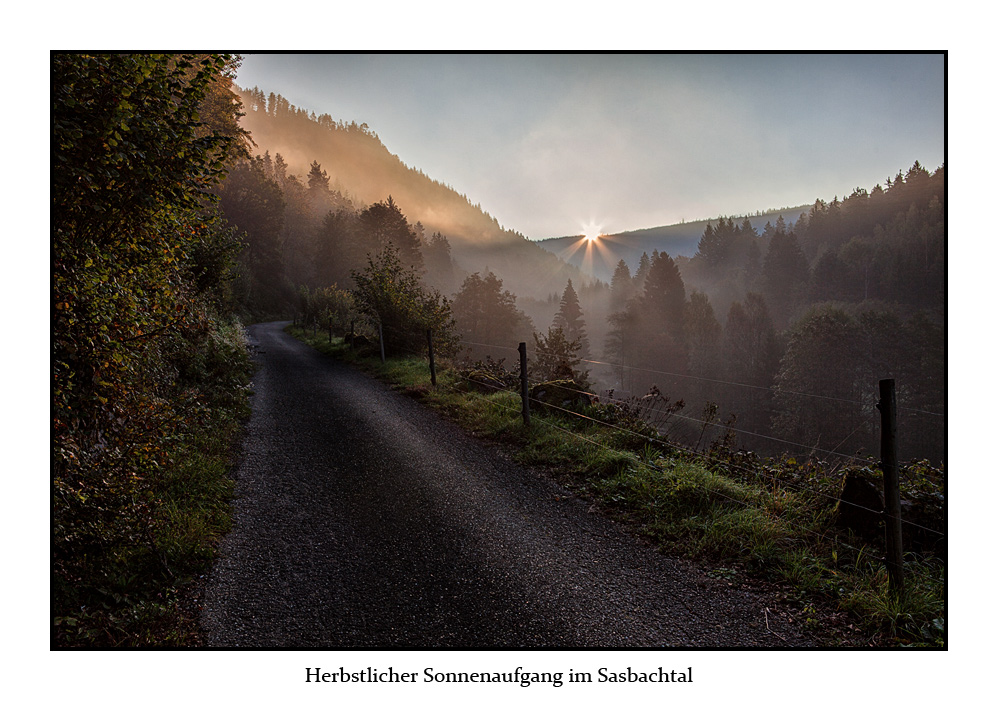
361, 169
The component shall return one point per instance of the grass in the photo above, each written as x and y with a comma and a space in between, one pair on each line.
141, 593
739, 522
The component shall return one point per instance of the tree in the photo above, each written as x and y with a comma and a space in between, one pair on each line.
703, 341
822, 382
558, 357
751, 353
648, 335
320, 199
318, 181
254, 205
393, 298
641, 274
340, 248
298, 239
832, 280
439, 264
703, 334
385, 227
860, 255
569, 319
785, 276
664, 297
280, 169
621, 287
486, 316
710, 250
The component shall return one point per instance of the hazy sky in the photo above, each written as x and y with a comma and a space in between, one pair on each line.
554, 144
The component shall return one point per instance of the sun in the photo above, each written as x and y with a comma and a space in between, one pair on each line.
591, 231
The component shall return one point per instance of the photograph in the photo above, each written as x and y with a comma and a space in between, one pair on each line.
495, 371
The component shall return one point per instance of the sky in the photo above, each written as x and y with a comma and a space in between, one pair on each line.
558, 144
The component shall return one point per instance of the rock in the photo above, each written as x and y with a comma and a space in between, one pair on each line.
861, 507
564, 394
484, 381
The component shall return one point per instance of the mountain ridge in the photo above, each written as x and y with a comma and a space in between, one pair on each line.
679, 239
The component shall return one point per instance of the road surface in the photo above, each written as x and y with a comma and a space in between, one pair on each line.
364, 520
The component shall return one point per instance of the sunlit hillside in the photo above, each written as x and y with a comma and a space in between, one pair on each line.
361, 167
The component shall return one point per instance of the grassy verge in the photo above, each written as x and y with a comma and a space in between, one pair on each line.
141, 591
747, 526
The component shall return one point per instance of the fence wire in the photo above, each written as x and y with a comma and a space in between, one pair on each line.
710, 459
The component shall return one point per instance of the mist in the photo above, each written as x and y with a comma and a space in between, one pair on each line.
698, 321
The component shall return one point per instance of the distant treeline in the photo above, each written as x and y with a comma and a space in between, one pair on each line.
811, 316
301, 233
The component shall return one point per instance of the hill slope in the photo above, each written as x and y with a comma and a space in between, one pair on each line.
360, 166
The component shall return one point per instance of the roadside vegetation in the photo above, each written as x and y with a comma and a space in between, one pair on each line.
150, 370
747, 518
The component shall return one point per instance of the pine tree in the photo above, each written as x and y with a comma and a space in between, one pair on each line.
703, 334
621, 287
487, 317
558, 357
318, 180
385, 226
439, 264
664, 297
569, 318
751, 355
280, 169
785, 276
641, 274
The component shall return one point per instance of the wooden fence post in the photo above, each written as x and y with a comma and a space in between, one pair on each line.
433, 367
381, 340
524, 391
892, 491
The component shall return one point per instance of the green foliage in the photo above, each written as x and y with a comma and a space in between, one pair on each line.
487, 317
558, 357
326, 307
142, 359
393, 296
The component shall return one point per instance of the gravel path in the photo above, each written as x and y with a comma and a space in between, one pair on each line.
363, 520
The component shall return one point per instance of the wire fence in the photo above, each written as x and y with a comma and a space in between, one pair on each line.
709, 457
770, 393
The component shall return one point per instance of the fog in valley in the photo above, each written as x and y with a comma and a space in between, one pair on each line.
766, 331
